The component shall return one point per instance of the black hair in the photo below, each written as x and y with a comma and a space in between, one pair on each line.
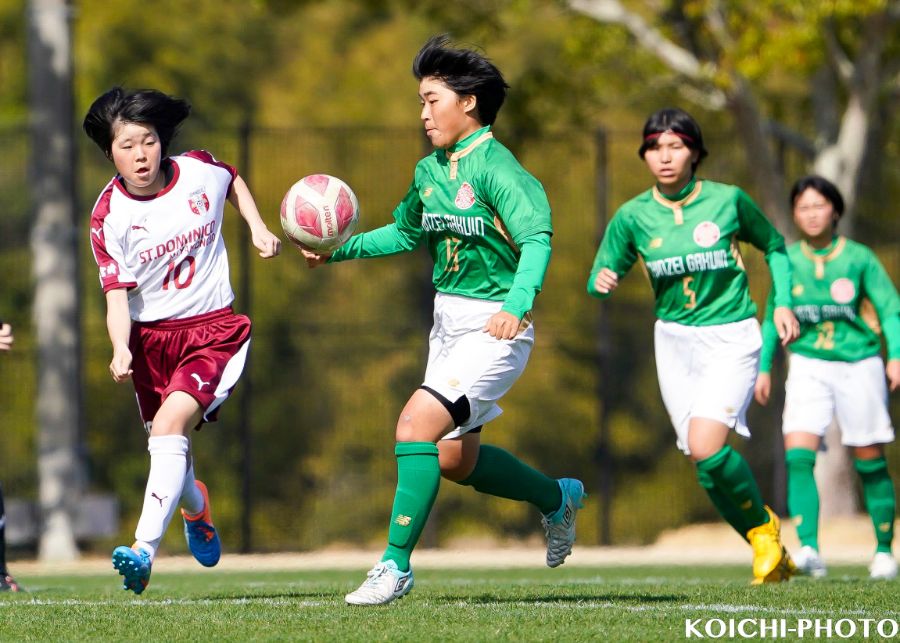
466, 72
145, 106
821, 185
680, 123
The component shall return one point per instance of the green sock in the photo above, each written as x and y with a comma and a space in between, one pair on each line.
500, 473
802, 495
726, 508
418, 479
878, 489
732, 476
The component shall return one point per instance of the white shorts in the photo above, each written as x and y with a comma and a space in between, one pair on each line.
855, 393
465, 360
707, 372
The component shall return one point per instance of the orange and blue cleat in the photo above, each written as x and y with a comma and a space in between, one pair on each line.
202, 537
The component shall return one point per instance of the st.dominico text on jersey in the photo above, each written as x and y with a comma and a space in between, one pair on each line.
465, 226
693, 262
198, 237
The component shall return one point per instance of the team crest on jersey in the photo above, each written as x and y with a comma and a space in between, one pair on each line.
199, 202
465, 197
842, 290
706, 234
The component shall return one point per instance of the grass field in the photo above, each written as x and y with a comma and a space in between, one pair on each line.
577, 604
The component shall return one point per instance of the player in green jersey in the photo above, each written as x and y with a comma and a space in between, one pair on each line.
835, 368
486, 223
706, 339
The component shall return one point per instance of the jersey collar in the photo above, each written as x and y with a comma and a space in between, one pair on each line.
466, 146
687, 195
823, 256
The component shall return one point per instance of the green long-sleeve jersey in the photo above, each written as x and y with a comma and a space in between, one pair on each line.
835, 289
484, 219
688, 244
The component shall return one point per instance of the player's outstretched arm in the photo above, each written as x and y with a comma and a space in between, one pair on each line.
892, 370
267, 243
118, 324
6, 337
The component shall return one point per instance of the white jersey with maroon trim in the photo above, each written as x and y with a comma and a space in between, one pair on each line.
167, 249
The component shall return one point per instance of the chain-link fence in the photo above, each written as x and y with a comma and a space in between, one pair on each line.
302, 455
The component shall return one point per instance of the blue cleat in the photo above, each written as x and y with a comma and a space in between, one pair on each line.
134, 565
560, 525
202, 537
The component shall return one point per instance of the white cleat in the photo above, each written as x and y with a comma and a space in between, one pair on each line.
384, 583
883, 567
560, 525
810, 563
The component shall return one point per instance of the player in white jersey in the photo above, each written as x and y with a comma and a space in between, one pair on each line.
156, 233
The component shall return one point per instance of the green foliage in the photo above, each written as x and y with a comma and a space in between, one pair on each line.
337, 351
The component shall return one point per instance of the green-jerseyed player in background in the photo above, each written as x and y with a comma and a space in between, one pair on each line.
486, 224
707, 341
835, 369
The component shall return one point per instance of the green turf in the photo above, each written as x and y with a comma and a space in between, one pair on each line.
576, 604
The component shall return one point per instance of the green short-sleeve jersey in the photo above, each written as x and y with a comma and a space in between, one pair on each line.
473, 206
688, 244
837, 292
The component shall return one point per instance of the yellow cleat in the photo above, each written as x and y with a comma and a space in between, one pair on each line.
771, 562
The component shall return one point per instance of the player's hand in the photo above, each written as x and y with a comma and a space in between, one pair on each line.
606, 281
120, 366
502, 325
313, 259
6, 337
786, 324
763, 388
893, 373
267, 243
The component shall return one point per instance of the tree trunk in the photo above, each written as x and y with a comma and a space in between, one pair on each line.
55, 266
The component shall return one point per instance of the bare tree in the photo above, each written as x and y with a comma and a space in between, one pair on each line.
55, 266
837, 148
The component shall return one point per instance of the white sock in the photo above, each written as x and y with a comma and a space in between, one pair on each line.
168, 466
191, 498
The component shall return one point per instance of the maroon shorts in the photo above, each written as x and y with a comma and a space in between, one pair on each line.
202, 356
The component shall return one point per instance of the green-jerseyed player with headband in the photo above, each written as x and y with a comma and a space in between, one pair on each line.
836, 370
707, 341
486, 223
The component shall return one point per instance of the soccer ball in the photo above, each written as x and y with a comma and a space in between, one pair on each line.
319, 213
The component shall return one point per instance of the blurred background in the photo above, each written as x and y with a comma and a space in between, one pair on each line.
302, 456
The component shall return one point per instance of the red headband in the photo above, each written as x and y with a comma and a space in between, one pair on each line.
653, 137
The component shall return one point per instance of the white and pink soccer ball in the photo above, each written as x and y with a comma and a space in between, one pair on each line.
319, 213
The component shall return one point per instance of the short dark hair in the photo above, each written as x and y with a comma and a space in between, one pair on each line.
821, 185
146, 106
466, 72
679, 122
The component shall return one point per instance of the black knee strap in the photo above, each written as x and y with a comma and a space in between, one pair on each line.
458, 410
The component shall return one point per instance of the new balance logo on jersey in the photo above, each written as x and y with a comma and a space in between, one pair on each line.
403, 521
153, 495
200, 382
